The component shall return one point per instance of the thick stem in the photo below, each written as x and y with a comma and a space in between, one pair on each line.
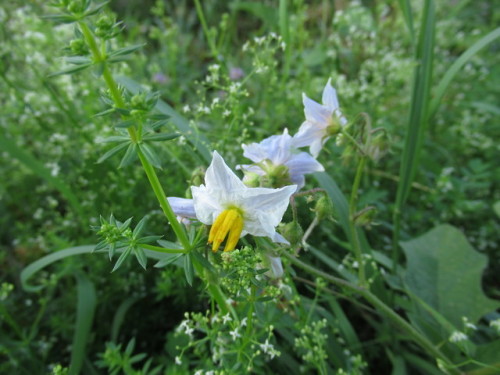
397, 320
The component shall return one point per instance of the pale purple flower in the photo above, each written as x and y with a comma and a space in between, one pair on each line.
322, 120
280, 151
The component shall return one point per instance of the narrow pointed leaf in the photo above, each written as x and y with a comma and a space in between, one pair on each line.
125, 124
113, 151
161, 137
71, 70
141, 257
114, 138
122, 258
150, 155
149, 239
139, 227
188, 269
203, 261
96, 8
169, 245
126, 50
169, 258
130, 155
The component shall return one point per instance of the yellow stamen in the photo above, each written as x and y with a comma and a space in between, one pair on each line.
229, 221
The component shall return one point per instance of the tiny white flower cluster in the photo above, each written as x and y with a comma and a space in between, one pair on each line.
458, 336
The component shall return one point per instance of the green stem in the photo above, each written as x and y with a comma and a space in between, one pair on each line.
148, 168
163, 249
165, 206
206, 31
352, 226
397, 320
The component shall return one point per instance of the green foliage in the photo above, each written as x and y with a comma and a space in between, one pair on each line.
131, 113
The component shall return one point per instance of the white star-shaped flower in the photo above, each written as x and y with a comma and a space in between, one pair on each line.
278, 158
322, 121
234, 210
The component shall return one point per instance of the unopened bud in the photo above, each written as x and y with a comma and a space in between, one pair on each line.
323, 208
78, 47
251, 179
365, 216
378, 146
293, 232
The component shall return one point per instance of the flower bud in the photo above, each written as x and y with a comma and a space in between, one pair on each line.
365, 216
78, 47
323, 208
293, 232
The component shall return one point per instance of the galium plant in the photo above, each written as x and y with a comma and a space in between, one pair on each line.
237, 241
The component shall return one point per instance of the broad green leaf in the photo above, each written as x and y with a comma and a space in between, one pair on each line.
488, 354
87, 301
445, 272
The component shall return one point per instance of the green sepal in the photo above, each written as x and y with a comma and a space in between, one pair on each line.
141, 257
188, 269
126, 51
161, 137
169, 245
150, 155
170, 258
139, 227
130, 155
113, 151
148, 239
95, 9
122, 258
72, 70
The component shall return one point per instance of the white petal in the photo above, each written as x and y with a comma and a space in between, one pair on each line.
254, 152
316, 146
307, 134
330, 99
206, 204
264, 208
303, 163
252, 168
220, 176
182, 207
316, 112
274, 265
278, 238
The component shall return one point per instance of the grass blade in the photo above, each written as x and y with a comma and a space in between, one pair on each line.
407, 14
87, 301
418, 116
457, 65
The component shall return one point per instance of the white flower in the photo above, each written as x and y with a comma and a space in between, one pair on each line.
457, 336
274, 265
322, 120
233, 209
226, 318
234, 334
178, 360
279, 159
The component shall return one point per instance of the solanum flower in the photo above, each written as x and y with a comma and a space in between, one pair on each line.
278, 159
233, 209
322, 121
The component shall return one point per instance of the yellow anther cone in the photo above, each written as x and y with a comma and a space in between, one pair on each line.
229, 221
